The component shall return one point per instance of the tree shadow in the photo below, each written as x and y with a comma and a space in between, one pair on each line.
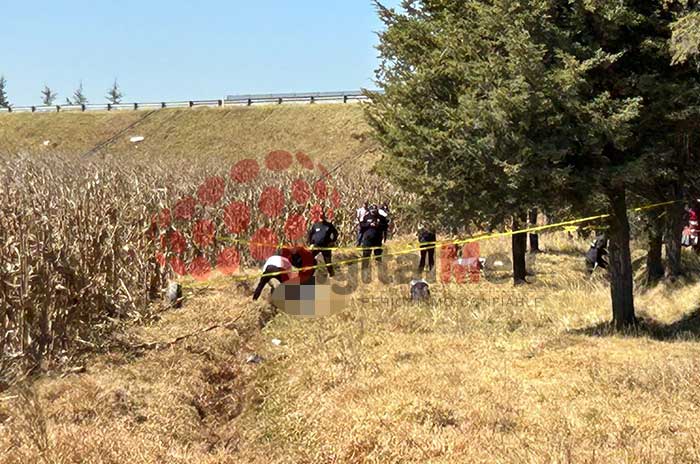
687, 328
566, 252
690, 275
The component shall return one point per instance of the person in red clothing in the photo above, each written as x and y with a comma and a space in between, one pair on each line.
303, 259
279, 267
694, 225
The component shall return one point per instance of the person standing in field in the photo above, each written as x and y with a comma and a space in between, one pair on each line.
426, 239
534, 237
694, 225
359, 218
383, 211
374, 234
321, 237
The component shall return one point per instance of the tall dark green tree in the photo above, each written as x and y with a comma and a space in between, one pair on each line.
48, 96
497, 104
4, 102
669, 137
462, 91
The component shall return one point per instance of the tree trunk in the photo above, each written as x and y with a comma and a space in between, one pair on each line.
519, 244
655, 267
674, 230
621, 286
534, 238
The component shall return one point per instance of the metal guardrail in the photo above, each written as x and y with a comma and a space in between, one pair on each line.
230, 100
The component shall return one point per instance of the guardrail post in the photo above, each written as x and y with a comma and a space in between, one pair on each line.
220, 102
279, 101
82, 106
9, 109
136, 106
250, 102
162, 104
313, 99
58, 109
191, 103
109, 107
33, 109
345, 98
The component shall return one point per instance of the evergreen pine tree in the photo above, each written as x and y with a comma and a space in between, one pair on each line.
79, 97
114, 94
4, 102
48, 96
490, 107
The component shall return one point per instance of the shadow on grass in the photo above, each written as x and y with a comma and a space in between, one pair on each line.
689, 277
573, 252
686, 328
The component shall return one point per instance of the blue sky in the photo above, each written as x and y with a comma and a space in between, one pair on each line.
177, 50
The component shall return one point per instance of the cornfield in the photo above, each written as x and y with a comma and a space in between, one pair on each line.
85, 243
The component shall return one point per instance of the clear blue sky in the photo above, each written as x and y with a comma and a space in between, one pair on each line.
180, 50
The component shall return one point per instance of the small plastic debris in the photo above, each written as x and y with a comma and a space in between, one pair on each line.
173, 295
276, 341
254, 359
136, 139
47, 142
498, 263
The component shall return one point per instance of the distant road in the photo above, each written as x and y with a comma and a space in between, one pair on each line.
351, 96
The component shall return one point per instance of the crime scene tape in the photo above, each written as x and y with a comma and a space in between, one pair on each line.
412, 248
568, 226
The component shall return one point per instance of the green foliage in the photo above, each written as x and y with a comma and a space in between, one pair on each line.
471, 116
79, 97
48, 96
498, 106
685, 42
4, 102
114, 94
490, 107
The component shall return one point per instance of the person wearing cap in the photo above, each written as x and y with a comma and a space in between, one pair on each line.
374, 233
321, 237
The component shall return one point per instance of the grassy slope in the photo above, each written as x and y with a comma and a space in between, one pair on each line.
497, 374
326, 132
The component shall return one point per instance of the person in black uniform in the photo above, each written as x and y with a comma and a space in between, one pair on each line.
323, 234
374, 228
595, 256
427, 239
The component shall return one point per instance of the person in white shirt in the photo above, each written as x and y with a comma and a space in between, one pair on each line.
274, 264
383, 211
359, 217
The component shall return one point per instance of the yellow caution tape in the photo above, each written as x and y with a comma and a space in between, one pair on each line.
423, 245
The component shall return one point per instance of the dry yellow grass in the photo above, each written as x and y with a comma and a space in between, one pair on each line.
209, 135
491, 374
485, 373
54, 290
